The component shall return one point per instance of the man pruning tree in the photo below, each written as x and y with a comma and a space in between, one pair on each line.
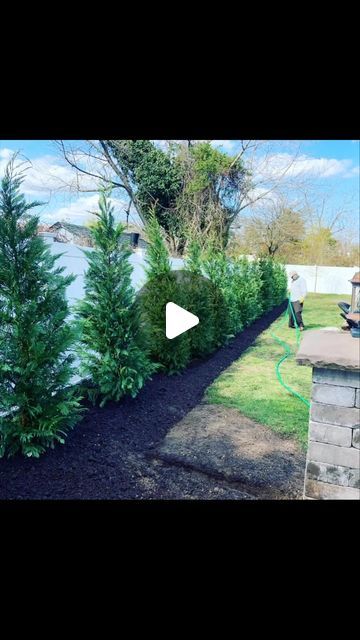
298, 292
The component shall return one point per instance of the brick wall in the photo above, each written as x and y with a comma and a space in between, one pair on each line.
333, 458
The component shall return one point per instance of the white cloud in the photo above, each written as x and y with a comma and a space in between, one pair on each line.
262, 199
42, 175
5, 154
225, 145
355, 171
275, 165
80, 211
47, 174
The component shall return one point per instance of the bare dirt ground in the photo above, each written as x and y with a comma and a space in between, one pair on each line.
221, 442
116, 453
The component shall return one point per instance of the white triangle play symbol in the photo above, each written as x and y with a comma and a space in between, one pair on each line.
178, 320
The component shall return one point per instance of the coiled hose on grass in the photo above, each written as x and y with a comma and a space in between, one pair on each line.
288, 353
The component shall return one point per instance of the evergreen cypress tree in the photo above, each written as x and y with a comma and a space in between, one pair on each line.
200, 294
280, 282
215, 265
266, 283
162, 286
114, 351
36, 405
193, 258
157, 259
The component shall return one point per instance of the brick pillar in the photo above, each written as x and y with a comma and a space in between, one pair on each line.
333, 456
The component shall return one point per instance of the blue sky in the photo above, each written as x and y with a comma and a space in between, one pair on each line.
333, 166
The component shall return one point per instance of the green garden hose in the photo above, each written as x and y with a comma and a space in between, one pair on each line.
288, 353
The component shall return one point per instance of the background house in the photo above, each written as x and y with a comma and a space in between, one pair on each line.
73, 233
81, 236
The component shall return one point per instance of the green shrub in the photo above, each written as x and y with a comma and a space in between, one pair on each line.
114, 351
193, 261
280, 283
246, 282
273, 283
162, 287
266, 284
216, 267
35, 336
226, 294
200, 294
254, 293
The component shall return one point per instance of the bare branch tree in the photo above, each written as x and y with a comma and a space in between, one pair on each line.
96, 163
257, 155
273, 172
274, 229
319, 212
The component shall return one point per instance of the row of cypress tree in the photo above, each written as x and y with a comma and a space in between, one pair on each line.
120, 337
232, 295
39, 336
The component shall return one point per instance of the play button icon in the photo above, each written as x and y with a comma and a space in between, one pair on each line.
178, 320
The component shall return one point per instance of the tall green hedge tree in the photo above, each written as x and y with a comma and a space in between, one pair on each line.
114, 350
216, 268
200, 296
247, 283
163, 286
280, 282
273, 283
37, 407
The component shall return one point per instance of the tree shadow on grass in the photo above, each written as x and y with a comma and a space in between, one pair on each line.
271, 474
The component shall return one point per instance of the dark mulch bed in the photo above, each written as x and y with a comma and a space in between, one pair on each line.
109, 454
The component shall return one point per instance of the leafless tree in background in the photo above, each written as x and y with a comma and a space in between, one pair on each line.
274, 176
92, 162
274, 230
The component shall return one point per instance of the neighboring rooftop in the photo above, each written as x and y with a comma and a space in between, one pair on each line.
80, 235
74, 228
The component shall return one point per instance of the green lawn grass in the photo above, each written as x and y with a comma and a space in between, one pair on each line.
251, 385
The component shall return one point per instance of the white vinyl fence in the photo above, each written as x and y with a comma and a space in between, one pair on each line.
318, 279
75, 262
325, 279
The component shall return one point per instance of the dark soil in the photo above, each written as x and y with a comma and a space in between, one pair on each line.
111, 453
219, 441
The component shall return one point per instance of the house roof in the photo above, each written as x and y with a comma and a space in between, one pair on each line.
80, 230
76, 229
